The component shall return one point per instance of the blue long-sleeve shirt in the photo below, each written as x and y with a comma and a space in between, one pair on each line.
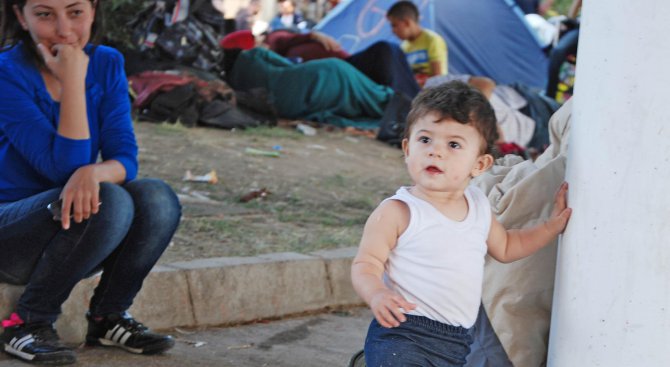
33, 157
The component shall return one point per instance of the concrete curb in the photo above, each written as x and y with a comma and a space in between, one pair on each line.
220, 291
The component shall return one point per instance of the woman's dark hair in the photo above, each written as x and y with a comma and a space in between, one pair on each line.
11, 32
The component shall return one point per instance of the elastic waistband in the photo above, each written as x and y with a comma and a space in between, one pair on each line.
436, 326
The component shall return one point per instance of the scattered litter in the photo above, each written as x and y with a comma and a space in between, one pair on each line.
360, 132
306, 129
316, 146
243, 346
267, 153
256, 194
185, 332
277, 147
194, 343
209, 177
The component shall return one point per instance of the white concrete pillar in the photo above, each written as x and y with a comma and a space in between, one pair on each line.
612, 293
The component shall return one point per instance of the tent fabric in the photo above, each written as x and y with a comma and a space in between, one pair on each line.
484, 38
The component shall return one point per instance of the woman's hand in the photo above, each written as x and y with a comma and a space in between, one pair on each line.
80, 195
67, 63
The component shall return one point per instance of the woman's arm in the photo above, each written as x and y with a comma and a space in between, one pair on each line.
67, 66
81, 194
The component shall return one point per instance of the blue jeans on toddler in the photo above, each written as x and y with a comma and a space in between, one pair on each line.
419, 342
134, 225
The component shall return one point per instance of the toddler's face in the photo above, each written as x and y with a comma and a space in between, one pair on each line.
443, 156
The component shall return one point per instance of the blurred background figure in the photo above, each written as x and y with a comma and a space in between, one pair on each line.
290, 18
246, 16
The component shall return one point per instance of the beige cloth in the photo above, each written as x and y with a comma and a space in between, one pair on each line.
518, 296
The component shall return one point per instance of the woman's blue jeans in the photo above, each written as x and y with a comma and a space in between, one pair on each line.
419, 342
124, 239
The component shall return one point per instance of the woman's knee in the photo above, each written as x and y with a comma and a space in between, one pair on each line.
116, 205
155, 199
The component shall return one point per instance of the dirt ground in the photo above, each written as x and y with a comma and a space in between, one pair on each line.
321, 188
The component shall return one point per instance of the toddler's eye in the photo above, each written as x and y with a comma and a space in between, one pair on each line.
454, 145
424, 139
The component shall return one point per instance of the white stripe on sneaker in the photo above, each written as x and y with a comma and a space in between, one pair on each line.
110, 333
9, 349
19, 344
125, 337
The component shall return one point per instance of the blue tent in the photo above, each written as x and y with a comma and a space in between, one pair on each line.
484, 37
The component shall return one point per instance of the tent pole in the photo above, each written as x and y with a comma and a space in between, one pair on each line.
611, 302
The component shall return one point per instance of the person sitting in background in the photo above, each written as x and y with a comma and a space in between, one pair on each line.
289, 18
566, 47
425, 49
246, 17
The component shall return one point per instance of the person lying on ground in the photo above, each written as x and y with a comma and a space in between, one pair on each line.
328, 90
64, 214
420, 263
383, 62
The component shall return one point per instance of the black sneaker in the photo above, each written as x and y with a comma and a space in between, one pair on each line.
119, 330
37, 343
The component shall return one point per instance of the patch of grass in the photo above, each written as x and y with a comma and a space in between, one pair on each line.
272, 132
168, 128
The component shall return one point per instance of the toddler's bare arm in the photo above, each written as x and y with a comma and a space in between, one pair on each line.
381, 232
511, 245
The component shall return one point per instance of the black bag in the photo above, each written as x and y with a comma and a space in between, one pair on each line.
188, 41
180, 103
392, 127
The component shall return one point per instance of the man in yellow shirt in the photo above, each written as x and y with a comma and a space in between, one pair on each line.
426, 50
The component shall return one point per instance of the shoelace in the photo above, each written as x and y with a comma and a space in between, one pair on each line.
132, 325
45, 333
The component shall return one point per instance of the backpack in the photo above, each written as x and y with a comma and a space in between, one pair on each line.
167, 29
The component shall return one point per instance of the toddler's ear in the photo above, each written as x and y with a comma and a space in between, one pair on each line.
484, 162
405, 147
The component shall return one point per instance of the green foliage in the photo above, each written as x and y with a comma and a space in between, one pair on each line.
560, 7
116, 15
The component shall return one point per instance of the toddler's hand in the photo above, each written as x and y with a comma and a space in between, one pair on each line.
386, 306
561, 213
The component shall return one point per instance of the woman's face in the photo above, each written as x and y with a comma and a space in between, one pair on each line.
53, 22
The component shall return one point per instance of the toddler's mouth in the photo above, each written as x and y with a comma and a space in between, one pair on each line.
433, 169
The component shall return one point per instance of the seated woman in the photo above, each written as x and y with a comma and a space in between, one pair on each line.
327, 90
65, 102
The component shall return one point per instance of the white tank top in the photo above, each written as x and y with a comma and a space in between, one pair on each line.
438, 263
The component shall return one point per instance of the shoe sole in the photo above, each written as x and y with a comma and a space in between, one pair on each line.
149, 349
56, 358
